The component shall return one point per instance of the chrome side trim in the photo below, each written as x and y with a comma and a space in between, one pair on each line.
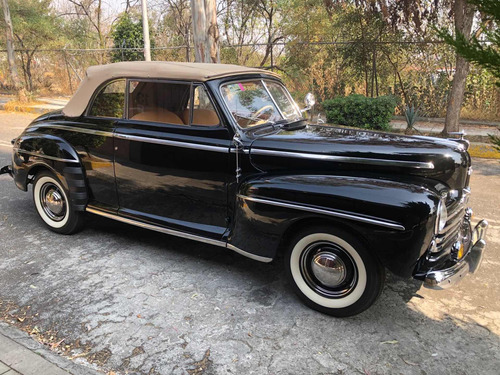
37, 154
177, 233
168, 142
140, 139
344, 159
343, 215
79, 130
249, 255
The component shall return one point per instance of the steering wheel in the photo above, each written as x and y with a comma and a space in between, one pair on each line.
261, 110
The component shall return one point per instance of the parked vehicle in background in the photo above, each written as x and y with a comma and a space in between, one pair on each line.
221, 154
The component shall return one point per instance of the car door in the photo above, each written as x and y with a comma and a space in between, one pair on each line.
172, 158
92, 137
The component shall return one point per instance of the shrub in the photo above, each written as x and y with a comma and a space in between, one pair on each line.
360, 111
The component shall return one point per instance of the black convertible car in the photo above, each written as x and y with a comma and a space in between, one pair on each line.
221, 154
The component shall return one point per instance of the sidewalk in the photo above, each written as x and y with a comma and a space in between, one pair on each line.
21, 355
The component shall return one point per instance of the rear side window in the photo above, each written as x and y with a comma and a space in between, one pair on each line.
110, 102
164, 102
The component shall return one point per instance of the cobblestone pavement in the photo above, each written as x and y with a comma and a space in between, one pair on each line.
134, 301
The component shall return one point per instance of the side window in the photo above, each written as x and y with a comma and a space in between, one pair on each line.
203, 111
163, 102
110, 102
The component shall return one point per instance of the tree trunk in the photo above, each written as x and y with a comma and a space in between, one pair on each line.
9, 35
212, 31
464, 16
205, 31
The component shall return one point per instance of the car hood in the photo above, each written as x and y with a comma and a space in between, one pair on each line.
326, 148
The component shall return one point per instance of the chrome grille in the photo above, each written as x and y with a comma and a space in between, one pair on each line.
449, 234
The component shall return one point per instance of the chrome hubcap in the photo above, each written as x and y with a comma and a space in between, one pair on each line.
53, 202
328, 268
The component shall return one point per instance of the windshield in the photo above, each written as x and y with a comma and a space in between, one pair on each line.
256, 102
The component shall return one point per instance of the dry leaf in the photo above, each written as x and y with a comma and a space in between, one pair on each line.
54, 346
393, 342
409, 363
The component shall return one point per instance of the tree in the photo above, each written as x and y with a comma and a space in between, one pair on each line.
9, 36
205, 31
487, 54
485, 51
34, 26
174, 28
128, 38
464, 17
92, 11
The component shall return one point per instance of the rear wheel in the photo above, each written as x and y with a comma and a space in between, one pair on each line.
53, 206
332, 272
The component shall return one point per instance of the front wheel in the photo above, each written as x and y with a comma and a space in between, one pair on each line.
53, 206
332, 272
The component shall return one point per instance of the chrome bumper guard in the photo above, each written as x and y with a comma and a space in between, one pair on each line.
445, 278
7, 169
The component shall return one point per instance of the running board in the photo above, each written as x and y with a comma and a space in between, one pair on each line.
177, 233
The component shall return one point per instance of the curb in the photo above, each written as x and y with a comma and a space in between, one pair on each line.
25, 109
483, 150
28, 357
440, 120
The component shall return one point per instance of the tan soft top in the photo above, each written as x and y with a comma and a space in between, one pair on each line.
98, 74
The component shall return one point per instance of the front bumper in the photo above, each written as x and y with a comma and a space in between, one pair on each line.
444, 278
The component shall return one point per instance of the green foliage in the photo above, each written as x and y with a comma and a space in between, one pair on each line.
127, 33
495, 140
411, 116
486, 55
35, 26
360, 111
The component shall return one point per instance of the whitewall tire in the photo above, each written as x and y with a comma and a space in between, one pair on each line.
332, 272
53, 204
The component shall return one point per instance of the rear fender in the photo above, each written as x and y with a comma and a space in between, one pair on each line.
34, 152
394, 219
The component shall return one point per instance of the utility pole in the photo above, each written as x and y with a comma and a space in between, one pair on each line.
145, 30
9, 36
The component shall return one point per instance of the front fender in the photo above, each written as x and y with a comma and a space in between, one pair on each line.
395, 219
34, 151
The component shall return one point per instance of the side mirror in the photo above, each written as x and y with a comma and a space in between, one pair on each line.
309, 101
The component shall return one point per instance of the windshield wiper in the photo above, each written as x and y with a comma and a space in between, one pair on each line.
279, 124
289, 124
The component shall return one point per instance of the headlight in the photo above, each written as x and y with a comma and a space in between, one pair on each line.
442, 216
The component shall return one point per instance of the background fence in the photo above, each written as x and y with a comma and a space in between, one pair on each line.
418, 73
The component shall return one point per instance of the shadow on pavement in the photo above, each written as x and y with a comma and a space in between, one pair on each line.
143, 302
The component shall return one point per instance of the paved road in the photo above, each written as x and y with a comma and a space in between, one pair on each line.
141, 302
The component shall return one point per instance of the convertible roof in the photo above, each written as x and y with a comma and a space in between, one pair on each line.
98, 74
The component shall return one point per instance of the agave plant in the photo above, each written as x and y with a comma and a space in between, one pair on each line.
411, 116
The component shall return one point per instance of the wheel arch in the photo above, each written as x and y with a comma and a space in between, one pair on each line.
56, 156
305, 223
